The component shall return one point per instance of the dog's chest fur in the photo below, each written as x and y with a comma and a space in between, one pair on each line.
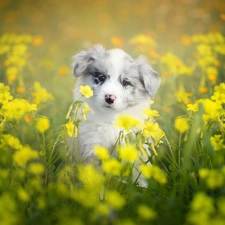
95, 133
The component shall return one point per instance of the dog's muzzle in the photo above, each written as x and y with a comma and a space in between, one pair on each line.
110, 99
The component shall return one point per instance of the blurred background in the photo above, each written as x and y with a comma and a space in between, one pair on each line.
66, 25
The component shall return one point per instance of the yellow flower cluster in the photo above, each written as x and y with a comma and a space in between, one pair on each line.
213, 108
15, 47
204, 210
152, 171
93, 182
13, 109
217, 142
175, 66
145, 40
81, 109
145, 44
213, 178
128, 153
23, 153
40, 94
71, 129
146, 213
150, 129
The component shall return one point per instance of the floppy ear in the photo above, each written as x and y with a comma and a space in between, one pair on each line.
83, 59
149, 77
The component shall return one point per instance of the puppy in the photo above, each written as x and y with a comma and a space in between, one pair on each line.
121, 85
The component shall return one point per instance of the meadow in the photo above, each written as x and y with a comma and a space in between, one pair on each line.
185, 43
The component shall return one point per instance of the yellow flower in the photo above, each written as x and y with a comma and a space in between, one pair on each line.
152, 171
204, 49
42, 124
40, 94
112, 167
11, 78
144, 40
102, 209
203, 173
11, 141
126, 122
217, 142
211, 108
181, 124
115, 200
101, 152
212, 71
4, 88
25, 154
150, 113
19, 49
5, 97
32, 107
220, 88
12, 71
9, 209
128, 152
215, 179
23, 195
183, 96
146, 213
36, 168
90, 177
87, 198
15, 109
193, 107
86, 91
71, 129
152, 129
218, 97
202, 202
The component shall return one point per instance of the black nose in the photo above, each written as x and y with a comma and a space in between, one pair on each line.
110, 99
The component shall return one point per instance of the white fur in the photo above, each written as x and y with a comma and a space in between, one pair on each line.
98, 129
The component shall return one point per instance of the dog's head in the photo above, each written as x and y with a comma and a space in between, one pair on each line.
118, 80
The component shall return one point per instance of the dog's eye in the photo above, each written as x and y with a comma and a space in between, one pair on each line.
126, 83
102, 78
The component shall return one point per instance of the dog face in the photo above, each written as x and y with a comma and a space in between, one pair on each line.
118, 81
